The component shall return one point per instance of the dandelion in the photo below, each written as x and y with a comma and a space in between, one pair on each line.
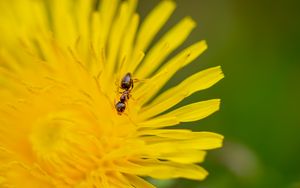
61, 64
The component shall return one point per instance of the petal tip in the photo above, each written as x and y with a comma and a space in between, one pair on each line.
190, 21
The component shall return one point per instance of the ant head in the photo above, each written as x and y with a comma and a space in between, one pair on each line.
127, 82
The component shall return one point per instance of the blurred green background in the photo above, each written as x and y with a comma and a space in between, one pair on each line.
257, 44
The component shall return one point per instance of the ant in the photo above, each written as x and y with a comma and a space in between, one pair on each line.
126, 85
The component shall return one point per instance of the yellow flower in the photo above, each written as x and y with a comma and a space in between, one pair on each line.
61, 63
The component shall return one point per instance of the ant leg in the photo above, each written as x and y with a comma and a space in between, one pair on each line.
135, 80
131, 97
113, 106
118, 87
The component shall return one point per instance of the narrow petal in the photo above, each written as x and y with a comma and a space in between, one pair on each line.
159, 122
184, 157
203, 141
173, 96
119, 29
83, 10
8, 62
97, 61
64, 29
195, 111
17, 175
128, 46
179, 134
119, 180
149, 28
107, 10
166, 133
168, 70
162, 169
138, 182
160, 51
176, 155
119, 26
153, 23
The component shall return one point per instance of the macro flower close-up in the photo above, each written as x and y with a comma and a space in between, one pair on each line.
82, 98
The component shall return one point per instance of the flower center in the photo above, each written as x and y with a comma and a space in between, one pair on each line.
49, 135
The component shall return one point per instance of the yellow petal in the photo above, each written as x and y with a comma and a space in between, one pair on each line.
164, 47
119, 28
19, 175
171, 97
174, 154
203, 141
115, 34
168, 70
107, 10
64, 29
162, 169
119, 180
179, 134
82, 11
97, 59
185, 156
138, 182
159, 122
195, 111
149, 28
127, 46
153, 23
8, 62
167, 133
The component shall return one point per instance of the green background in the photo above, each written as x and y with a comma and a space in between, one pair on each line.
257, 44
